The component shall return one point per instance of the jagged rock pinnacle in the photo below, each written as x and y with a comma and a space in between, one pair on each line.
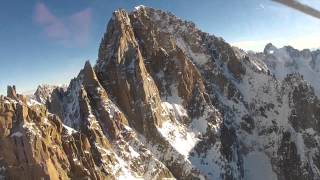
166, 100
11, 92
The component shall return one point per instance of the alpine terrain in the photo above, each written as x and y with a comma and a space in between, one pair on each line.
168, 101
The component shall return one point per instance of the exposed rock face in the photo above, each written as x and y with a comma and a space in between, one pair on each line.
166, 100
11, 92
44, 92
125, 77
37, 145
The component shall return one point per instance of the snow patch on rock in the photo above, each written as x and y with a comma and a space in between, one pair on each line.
179, 137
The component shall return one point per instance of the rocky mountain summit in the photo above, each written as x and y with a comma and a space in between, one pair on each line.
168, 101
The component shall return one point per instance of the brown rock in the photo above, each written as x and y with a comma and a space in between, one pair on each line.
125, 77
11, 92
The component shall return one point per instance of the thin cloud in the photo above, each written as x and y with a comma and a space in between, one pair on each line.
80, 24
73, 30
52, 26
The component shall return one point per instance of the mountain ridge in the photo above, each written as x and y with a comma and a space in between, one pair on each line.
166, 100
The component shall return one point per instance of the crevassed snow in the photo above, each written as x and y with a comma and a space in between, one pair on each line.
257, 165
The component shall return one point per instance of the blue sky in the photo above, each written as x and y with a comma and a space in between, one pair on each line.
49, 41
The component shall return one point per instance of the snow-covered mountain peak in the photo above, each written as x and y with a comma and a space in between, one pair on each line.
166, 100
287, 60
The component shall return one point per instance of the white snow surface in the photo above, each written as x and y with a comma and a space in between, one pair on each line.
180, 139
258, 166
139, 7
32, 102
176, 109
70, 130
282, 62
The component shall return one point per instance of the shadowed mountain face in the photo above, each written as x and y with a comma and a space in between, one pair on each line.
166, 100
